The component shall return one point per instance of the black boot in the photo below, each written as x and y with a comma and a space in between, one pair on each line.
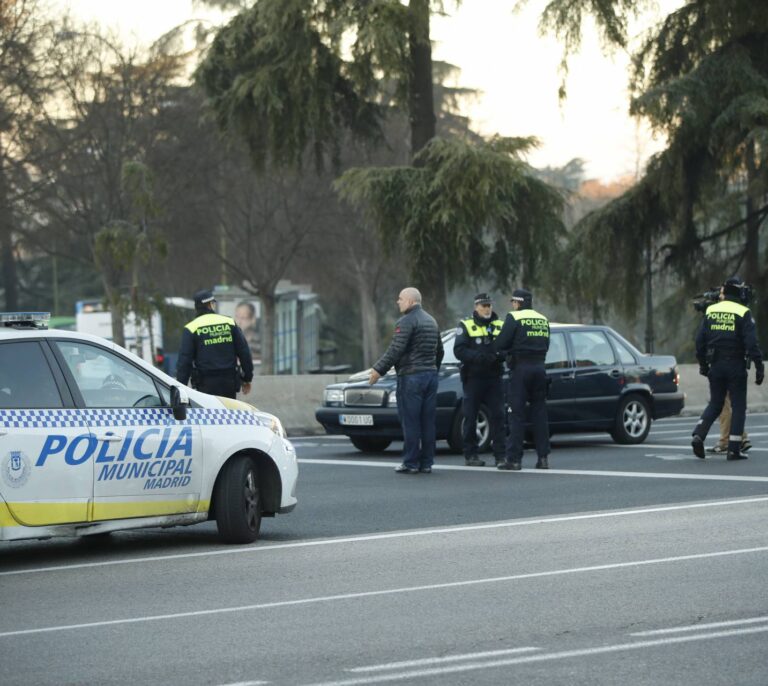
543, 463
736, 455
697, 443
473, 461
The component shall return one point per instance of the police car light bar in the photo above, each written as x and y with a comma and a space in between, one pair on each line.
37, 320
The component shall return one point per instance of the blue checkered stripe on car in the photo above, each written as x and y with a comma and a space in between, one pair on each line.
143, 416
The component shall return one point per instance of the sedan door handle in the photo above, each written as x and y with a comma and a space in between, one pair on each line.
109, 437
615, 373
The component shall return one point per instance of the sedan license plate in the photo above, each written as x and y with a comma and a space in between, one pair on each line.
356, 419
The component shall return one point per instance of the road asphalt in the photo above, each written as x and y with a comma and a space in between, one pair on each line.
621, 564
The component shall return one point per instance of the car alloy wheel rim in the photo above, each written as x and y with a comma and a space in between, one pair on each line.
482, 428
635, 419
251, 494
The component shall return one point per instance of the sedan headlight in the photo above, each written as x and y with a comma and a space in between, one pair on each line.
392, 400
333, 396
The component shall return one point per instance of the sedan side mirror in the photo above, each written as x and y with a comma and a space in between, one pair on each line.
179, 403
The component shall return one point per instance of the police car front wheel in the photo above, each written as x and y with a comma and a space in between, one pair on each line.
237, 501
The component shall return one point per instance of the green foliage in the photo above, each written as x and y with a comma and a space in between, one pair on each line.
275, 76
472, 208
565, 18
701, 79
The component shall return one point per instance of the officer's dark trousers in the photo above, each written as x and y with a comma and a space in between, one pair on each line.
527, 383
488, 391
417, 408
224, 384
726, 376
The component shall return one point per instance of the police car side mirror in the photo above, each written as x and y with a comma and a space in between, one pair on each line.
179, 403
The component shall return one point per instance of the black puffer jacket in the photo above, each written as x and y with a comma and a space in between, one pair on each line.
416, 345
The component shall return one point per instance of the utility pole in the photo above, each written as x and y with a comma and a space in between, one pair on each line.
648, 297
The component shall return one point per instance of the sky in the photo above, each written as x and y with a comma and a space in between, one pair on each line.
500, 54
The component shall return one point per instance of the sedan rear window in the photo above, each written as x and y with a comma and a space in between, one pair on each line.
557, 355
591, 349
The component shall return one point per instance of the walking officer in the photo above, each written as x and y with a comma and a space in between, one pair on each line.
524, 340
725, 341
211, 346
481, 372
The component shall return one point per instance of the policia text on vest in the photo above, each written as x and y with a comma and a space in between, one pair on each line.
726, 343
524, 340
211, 347
481, 377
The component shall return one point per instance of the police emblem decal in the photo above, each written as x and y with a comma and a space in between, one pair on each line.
16, 469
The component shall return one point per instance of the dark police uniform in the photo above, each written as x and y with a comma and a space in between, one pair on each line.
725, 340
212, 344
524, 339
481, 377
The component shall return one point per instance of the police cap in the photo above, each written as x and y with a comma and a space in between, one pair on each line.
202, 298
732, 286
523, 296
483, 299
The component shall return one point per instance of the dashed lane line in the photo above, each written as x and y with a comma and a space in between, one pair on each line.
540, 657
700, 627
562, 472
427, 661
447, 530
392, 592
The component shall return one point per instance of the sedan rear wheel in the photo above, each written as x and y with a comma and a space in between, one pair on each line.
633, 421
456, 439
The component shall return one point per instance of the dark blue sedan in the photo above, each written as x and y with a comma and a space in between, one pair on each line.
598, 381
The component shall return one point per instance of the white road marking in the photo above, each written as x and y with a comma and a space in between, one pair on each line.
567, 472
700, 627
247, 683
544, 657
389, 592
395, 535
441, 660
672, 458
657, 446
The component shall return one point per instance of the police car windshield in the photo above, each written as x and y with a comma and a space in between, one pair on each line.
106, 380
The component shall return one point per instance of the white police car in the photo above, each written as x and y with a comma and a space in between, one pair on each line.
93, 439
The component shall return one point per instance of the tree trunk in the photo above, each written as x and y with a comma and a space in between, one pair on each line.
117, 311
421, 105
433, 291
752, 242
268, 308
752, 273
368, 315
7, 259
422, 119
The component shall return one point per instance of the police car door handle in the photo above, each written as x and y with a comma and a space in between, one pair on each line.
3, 432
109, 437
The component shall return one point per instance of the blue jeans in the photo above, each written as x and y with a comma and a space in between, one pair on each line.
417, 407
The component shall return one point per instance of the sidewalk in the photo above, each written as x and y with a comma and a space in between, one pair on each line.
696, 389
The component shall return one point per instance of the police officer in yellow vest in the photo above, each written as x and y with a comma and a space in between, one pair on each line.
524, 340
481, 372
726, 339
211, 346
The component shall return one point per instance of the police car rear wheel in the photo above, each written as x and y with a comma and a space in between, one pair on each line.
633, 421
238, 501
